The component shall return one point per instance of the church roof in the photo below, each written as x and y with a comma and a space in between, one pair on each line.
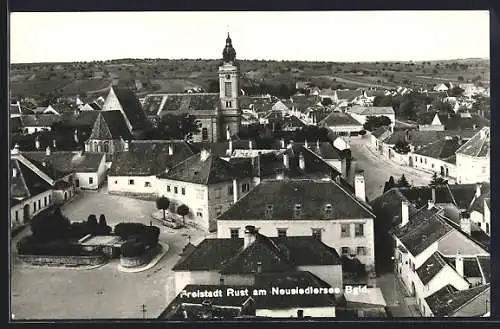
110, 125
131, 107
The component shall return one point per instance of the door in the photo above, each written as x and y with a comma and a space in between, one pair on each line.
77, 182
442, 171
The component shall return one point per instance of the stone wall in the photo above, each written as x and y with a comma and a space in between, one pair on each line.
62, 260
142, 259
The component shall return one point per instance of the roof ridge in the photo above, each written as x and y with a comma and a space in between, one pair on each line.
470, 300
34, 168
22, 179
451, 194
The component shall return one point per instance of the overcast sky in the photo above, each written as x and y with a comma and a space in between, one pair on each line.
322, 36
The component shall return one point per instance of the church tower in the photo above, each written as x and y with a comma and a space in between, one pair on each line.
229, 74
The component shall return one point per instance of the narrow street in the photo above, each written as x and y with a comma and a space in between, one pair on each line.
378, 169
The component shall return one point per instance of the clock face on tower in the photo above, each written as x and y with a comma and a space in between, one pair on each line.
228, 77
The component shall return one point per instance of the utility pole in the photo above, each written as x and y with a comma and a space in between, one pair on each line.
143, 310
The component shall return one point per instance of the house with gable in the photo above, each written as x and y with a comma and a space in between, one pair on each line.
451, 302
473, 159
135, 172
321, 209
431, 252
438, 156
433, 124
237, 261
362, 113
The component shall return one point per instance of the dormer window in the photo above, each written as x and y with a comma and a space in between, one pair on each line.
269, 211
298, 210
328, 209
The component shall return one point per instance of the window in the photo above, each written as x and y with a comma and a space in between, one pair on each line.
176, 190
168, 188
298, 210
487, 228
45, 201
345, 251
269, 211
235, 233
344, 230
316, 233
50, 198
300, 314
183, 191
228, 89
281, 232
131, 182
359, 230
245, 187
34, 206
39, 204
91, 180
106, 147
230, 104
432, 165
17, 216
199, 214
218, 193
147, 184
204, 134
420, 160
425, 160
230, 190
361, 251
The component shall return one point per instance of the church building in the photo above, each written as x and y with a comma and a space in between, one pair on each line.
218, 114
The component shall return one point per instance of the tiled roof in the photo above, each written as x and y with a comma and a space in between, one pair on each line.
431, 267
339, 119
95, 106
326, 150
131, 107
440, 149
415, 137
110, 125
220, 148
84, 119
423, 229
27, 183
372, 110
275, 254
145, 158
212, 170
40, 120
67, 161
15, 124
448, 300
471, 266
191, 102
348, 95
291, 122
477, 146
312, 195
457, 122
293, 280
388, 205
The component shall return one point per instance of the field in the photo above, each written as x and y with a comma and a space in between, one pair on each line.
158, 75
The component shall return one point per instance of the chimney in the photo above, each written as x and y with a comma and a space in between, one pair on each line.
286, 160
459, 264
430, 204
290, 144
359, 187
15, 150
228, 133
14, 172
478, 190
259, 267
283, 143
54, 144
75, 136
405, 214
204, 154
317, 144
230, 148
235, 190
47, 151
127, 145
465, 222
250, 145
302, 162
305, 144
37, 143
433, 194
170, 149
250, 235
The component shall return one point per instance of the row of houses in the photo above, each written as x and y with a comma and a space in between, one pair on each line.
460, 155
441, 245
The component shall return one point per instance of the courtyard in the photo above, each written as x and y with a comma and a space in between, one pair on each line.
103, 292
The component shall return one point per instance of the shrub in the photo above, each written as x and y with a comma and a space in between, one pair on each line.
30, 245
133, 249
136, 232
50, 225
125, 230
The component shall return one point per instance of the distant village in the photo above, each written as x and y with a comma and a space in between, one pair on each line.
257, 193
